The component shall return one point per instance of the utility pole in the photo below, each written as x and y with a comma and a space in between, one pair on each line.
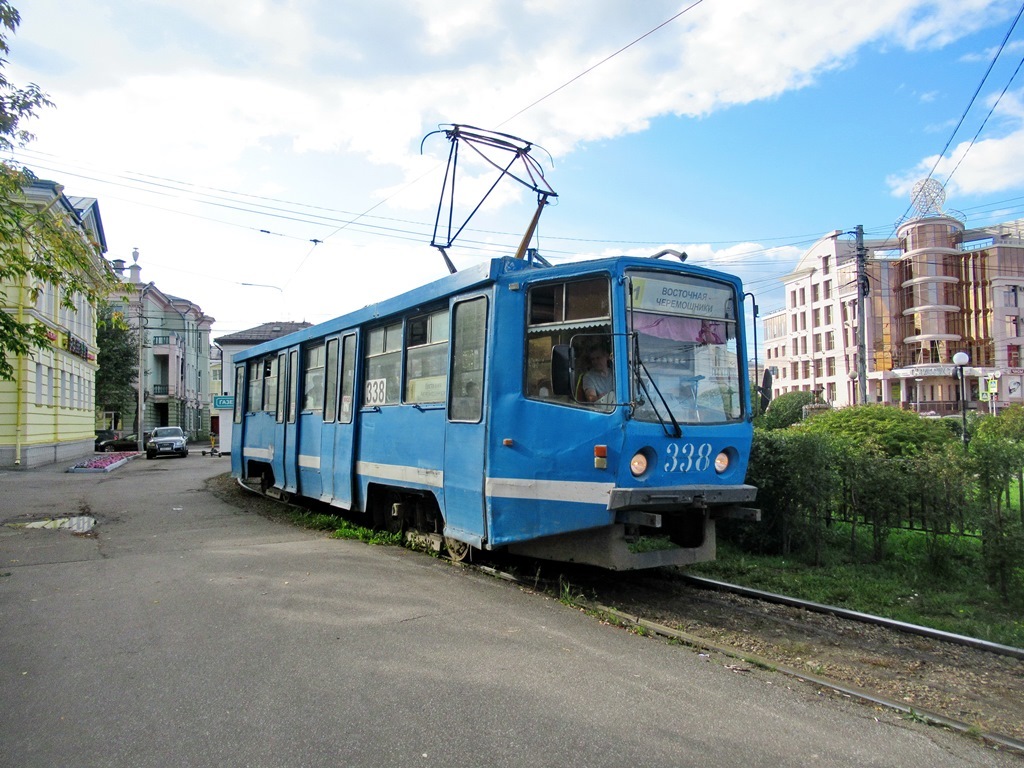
862, 290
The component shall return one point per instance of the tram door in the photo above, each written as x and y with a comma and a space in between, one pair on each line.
288, 448
466, 433
338, 477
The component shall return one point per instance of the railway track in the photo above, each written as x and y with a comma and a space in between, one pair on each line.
957, 682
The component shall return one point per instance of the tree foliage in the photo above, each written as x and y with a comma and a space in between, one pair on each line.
891, 430
786, 410
118, 361
39, 244
869, 469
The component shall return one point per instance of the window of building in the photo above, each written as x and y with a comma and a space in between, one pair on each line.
805, 369
803, 297
815, 292
830, 366
816, 320
817, 342
826, 262
803, 321
828, 315
826, 289
792, 298
426, 358
1012, 326
1013, 355
819, 367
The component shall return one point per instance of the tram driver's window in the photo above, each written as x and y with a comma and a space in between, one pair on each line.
576, 313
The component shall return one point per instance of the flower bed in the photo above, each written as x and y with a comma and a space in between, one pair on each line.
105, 462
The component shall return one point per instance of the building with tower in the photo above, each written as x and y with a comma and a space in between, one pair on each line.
933, 289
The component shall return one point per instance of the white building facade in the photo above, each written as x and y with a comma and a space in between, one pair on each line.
934, 290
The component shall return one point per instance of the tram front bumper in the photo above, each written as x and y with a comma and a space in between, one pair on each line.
640, 506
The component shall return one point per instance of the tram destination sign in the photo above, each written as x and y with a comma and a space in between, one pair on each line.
698, 298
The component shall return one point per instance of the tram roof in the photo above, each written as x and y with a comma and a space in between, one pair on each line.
422, 297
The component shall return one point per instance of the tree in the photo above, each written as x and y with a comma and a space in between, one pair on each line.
39, 244
118, 360
786, 410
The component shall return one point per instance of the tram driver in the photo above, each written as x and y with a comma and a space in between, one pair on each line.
598, 383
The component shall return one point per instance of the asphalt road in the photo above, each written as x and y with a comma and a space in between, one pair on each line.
187, 632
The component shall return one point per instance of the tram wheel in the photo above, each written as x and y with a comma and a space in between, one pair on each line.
457, 550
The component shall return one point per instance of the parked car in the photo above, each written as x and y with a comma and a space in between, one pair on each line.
167, 441
124, 443
102, 436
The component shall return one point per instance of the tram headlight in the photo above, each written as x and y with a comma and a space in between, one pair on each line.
638, 464
721, 462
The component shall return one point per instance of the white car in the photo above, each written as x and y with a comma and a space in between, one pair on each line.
167, 441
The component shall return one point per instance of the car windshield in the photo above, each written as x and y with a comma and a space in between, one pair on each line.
167, 432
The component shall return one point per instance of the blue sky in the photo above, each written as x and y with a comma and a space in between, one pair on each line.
223, 136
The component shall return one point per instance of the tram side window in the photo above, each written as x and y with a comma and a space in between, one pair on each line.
255, 399
331, 387
469, 332
383, 365
269, 384
282, 388
348, 378
313, 379
293, 370
574, 313
426, 358
239, 383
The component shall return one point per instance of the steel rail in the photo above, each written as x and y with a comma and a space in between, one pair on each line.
932, 718
865, 618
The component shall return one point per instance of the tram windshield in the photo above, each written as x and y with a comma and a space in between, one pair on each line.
684, 360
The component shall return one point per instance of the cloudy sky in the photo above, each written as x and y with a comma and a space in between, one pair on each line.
265, 156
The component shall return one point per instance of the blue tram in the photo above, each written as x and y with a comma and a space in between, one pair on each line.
595, 412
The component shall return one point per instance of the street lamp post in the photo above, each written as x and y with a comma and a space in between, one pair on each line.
960, 359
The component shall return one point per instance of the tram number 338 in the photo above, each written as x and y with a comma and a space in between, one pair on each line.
687, 457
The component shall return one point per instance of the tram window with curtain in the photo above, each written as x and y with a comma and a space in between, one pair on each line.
577, 314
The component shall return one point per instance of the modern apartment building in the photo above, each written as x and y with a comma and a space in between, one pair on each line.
936, 288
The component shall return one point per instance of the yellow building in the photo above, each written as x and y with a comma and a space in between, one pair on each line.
47, 413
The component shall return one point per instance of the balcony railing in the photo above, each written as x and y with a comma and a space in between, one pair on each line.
160, 389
